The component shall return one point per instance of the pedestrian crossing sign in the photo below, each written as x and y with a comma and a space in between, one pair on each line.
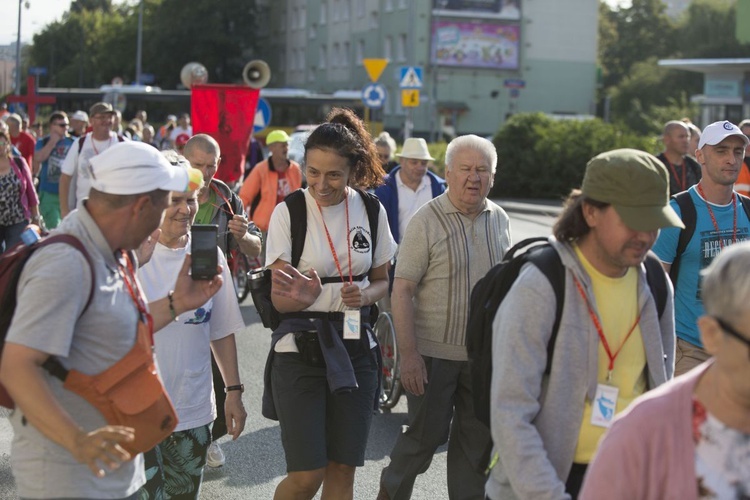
411, 77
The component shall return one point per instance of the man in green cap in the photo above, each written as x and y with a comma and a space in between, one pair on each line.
611, 344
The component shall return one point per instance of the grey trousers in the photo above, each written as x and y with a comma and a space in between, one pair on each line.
446, 408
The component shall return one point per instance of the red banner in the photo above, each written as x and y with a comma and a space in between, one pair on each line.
226, 113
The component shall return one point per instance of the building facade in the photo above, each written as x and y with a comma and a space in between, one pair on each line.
481, 61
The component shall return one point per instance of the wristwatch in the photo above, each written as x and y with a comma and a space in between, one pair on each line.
240, 387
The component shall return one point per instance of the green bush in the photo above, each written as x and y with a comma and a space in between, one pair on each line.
540, 157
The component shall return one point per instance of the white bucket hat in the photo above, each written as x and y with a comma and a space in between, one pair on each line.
415, 148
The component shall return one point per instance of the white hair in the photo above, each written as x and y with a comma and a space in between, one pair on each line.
484, 146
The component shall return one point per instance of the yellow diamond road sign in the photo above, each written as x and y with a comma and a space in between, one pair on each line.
409, 98
374, 67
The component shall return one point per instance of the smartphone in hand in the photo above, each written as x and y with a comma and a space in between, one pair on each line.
204, 251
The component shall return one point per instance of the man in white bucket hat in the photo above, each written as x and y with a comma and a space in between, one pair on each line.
409, 186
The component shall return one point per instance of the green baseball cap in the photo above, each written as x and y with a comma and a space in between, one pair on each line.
277, 136
636, 184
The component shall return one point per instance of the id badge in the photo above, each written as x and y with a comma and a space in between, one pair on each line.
604, 405
351, 324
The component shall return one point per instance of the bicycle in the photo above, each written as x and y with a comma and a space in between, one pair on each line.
239, 267
390, 388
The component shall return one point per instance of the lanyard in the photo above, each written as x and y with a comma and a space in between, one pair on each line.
128, 276
716, 224
682, 185
598, 325
229, 205
330, 241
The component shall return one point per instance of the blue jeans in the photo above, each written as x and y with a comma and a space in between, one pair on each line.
10, 235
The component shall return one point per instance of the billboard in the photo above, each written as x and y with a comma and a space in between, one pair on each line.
475, 45
486, 9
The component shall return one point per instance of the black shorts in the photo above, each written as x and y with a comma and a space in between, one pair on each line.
316, 425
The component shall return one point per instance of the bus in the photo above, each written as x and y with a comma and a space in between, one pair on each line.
290, 108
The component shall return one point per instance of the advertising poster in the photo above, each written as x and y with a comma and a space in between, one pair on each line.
475, 45
495, 9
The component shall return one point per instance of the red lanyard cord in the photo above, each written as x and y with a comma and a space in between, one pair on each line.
128, 276
682, 185
716, 224
598, 325
330, 241
219, 193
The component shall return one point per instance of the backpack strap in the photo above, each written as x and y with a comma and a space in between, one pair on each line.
745, 201
548, 261
657, 281
689, 216
295, 202
81, 140
372, 206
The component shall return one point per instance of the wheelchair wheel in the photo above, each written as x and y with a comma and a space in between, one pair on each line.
390, 390
239, 266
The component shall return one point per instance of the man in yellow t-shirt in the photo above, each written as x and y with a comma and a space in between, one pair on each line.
611, 344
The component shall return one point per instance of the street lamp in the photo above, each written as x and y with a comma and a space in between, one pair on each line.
140, 45
18, 47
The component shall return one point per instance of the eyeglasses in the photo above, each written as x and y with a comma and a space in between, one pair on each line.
732, 332
62, 124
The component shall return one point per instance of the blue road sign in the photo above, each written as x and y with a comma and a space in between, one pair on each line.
411, 77
374, 95
262, 116
514, 83
37, 70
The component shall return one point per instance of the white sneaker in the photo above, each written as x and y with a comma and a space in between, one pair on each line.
215, 457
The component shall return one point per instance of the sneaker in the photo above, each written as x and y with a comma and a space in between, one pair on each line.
215, 457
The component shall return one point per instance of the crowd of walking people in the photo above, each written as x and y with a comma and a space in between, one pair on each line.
627, 376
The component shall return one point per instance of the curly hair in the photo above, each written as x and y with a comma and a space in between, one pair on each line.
571, 225
344, 134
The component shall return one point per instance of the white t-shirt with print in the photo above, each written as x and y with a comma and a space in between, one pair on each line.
183, 350
317, 251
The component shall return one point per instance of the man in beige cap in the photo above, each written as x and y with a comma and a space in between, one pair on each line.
86, 313
611, 345
75, 179
409, 186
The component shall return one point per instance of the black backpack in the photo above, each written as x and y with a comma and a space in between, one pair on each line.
260, 282
689, 217
490, 291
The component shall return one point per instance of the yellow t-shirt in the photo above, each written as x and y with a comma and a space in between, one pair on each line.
617, 305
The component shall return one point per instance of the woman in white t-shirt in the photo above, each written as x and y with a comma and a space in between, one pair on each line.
183, 353
324, 359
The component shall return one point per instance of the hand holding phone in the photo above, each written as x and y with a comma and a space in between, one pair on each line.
204, 251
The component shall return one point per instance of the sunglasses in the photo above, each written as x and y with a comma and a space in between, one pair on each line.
732, 332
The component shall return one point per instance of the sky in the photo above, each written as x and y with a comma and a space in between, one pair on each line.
40, 13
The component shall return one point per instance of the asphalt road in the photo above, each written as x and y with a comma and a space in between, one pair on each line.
255, 462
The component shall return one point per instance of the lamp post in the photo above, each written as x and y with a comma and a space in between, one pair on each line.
139, 50
18, 51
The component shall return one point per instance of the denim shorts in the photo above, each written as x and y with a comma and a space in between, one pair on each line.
316, 425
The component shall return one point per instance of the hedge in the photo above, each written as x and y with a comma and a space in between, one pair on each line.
541, 157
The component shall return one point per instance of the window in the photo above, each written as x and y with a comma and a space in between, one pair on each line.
360, 51
283, 21
373, 20
323, 12
345, 9
347, 55
323, 56
335, 10
336, 55
293, 20
302, 17
301, 59
401, 48
388, 48
361, 7
313, 32
389, 5
311, 74
401, 4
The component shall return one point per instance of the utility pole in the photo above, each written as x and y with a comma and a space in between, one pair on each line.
139, 50
18, 50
